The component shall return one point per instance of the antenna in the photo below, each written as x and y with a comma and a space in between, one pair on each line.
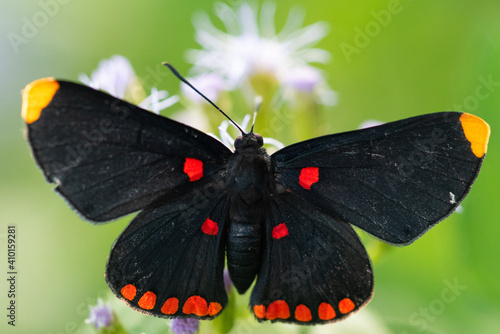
181, 78
258, 102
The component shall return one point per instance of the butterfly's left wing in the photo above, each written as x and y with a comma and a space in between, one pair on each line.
315, 269
169, 261
394, 181
107, 157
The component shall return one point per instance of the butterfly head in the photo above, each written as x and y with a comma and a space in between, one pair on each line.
248, 140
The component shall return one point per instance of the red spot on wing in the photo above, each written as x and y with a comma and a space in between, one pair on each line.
210, 227
303, 313
147, 301
279, 231
193, 168
128, 291
346, 305
278, 309
260, 311
170, 306
308, 176
326, 311
214, 308
195, 305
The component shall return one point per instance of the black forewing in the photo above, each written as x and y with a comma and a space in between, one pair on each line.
108, 157
164, 251
319, 264
394, 181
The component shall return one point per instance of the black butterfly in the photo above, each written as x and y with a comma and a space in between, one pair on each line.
284, 218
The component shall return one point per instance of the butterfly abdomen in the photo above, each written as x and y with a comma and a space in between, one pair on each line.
248, 171
243, 253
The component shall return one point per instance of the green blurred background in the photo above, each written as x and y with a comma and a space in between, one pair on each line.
431, 56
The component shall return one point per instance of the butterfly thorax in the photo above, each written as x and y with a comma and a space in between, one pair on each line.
248, 173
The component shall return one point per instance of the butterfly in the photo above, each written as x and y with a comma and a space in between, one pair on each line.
282, 220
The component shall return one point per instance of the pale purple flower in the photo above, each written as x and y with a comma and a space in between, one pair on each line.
309, 80
158, 100
304, 79
113, 75
227, 281
184, 325
100, 315
210, 84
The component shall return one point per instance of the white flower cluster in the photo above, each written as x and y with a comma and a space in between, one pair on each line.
248, 52
117, 77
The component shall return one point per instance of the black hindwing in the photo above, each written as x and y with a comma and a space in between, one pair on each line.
315, 269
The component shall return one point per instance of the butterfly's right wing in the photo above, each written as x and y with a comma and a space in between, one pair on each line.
395, 180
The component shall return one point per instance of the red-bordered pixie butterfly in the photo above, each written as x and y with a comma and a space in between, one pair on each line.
283, 219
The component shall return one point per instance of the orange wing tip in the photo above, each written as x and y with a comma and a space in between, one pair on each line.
36, 96
477, 133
